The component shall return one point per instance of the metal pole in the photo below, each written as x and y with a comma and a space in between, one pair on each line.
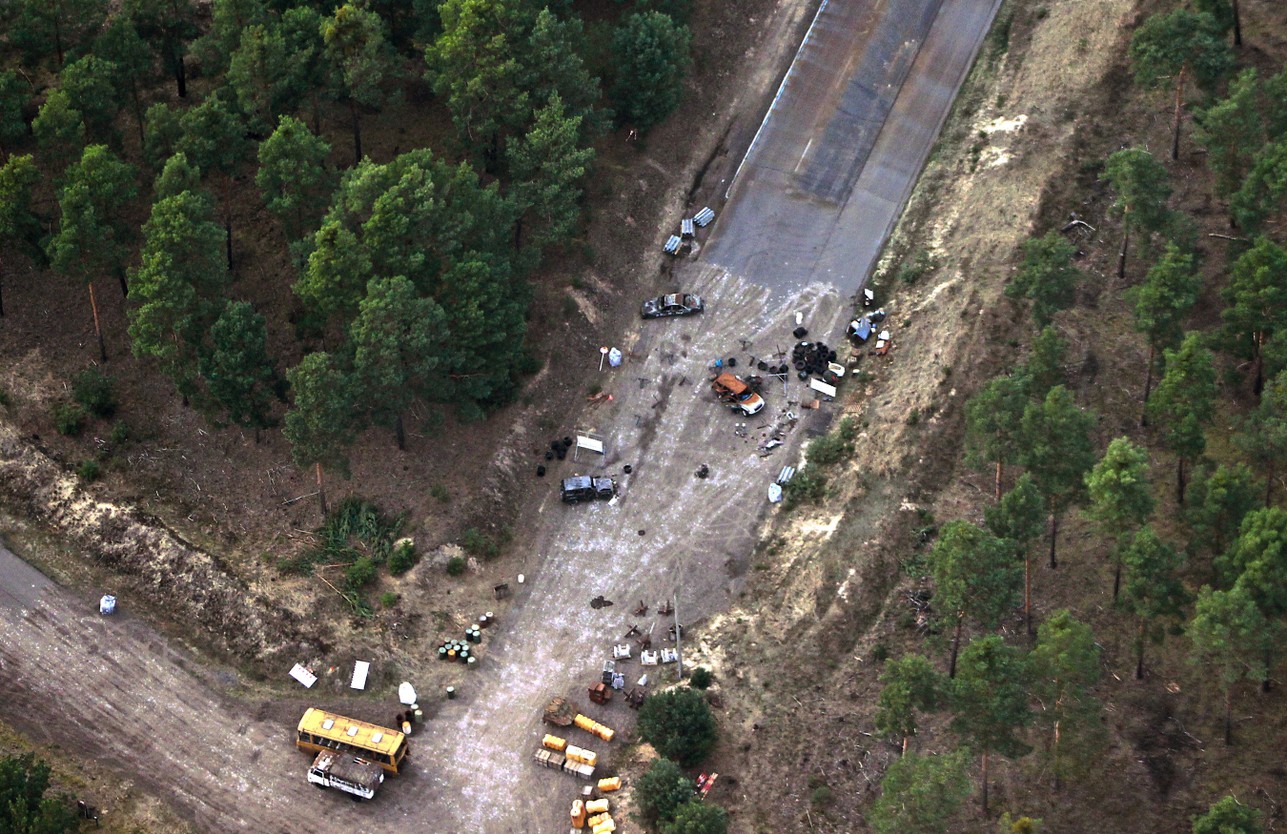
679, 654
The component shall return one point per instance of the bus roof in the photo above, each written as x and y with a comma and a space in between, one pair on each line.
350, 731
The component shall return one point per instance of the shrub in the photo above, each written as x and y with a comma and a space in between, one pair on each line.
361, 573
836, 446
88, 470
679, 725
701, 678
697, 818
440, 493
388, 599
455, 566
93, 389
821, 797
69, 419
807, 487
403, 558
662, 790
486, 545
120, 433
5, 399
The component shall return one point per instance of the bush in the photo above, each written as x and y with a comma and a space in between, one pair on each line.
701, 678
486, 545
455, 566
388, 599
88, 470
807, 487
440, 493
697, 818
679, 725
5, 399
69, 419
120, 433
93, 389
403, 558
662, 790
836, 446
361, 573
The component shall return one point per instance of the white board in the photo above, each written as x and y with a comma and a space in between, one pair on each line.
304, 676
360, 668
822, 387
593, 444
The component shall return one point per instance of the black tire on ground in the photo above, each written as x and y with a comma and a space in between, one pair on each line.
732, 362
800, 332
540, 471
763, 366
803, 375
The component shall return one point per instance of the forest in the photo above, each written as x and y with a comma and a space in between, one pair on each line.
132, 136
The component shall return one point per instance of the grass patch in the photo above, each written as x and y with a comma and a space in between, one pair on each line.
836, 446
69, 419
475, 542
354, 530
93, 389
456, 566
89, 470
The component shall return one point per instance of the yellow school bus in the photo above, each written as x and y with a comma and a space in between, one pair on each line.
322, 730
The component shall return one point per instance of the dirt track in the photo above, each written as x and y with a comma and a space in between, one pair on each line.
143, 707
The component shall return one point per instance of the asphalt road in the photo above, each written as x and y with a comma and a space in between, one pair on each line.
855, 118
809, 211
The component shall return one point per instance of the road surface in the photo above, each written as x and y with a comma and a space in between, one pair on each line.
810, 209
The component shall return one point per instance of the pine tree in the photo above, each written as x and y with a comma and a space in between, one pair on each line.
1121, 497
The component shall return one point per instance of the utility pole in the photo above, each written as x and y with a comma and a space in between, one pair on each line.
679, 654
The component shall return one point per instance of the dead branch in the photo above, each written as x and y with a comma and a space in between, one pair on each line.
1228, 237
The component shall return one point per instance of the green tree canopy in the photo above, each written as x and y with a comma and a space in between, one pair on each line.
1057, 451
293, 176
1169, 48
398, 341
1264, 433
990, 701
992, 424
19, 227
1152, 591
24, 806
662, 790
14, 93
176, 177
651, 54
356, 49
679, 724
237, 371
697, 818
1228, 816
1162, 302
1217, 502
1065, 667
90, 83
1256, 303
59, 130
52, 28
1046, 276
1258, 560
910, 685
921, 794
1018, 519
319, 426
1044, 368
1232, 130
547, 167
1143, 187
1121, 497
1184, 403
229, 20
1231, 639
263, 75
133, 61
162, 131
976, 577
180, 284
1263, 194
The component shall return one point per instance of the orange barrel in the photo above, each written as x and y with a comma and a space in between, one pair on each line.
610, 785
554, 743
578, 814
603, 731
585, 722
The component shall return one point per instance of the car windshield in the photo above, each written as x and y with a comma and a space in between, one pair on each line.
669, 300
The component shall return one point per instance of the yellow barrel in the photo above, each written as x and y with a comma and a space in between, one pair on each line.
604, 732
554, 742
598, 819
605, 827
589, 757
578, 814
610, 785
585, 722
597, 806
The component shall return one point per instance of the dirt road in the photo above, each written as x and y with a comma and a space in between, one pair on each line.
231, 767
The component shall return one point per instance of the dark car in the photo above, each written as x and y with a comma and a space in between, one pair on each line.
674, 304
584, 488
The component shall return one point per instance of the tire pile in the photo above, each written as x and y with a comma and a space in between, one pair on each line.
812, 358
